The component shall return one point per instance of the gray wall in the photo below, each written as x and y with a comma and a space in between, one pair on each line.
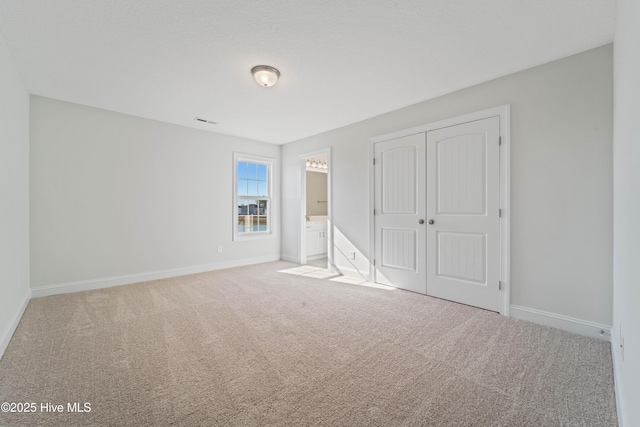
316, 191
626, 163
14, 188
115, 195
561, 180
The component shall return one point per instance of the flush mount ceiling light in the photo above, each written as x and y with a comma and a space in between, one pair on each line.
265, 75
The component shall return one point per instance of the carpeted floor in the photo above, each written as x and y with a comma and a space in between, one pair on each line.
252, 346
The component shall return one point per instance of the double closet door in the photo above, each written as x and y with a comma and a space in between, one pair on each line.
436, 217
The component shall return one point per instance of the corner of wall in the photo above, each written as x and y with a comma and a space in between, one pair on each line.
14, 204
289, 258
615, 357
8, 334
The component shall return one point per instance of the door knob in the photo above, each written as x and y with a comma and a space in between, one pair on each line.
421, 221
431, 222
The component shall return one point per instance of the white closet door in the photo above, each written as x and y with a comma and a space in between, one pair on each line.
463, 224
399, 175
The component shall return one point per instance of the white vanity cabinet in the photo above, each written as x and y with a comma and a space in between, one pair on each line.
316, 237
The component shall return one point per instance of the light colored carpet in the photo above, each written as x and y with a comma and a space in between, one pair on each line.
251, 346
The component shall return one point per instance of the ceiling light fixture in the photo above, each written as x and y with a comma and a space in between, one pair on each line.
265, 75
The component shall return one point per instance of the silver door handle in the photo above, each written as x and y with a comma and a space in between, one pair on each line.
431, 222
421, 221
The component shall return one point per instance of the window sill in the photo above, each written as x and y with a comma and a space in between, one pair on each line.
252, 236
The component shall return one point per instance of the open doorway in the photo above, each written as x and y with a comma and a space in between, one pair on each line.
316, 237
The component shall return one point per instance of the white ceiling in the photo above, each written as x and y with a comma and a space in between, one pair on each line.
341, 61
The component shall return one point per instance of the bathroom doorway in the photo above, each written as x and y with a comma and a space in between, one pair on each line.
316, 235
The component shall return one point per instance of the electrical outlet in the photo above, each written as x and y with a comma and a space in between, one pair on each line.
219, 249
352, 255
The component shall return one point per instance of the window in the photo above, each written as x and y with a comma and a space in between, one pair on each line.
252, 207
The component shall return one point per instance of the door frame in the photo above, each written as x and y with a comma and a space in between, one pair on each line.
504, 112
302, 179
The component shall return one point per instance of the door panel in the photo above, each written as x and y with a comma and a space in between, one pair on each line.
399, 169
462, 256
399, 203
399, 248
463, 243
460, 174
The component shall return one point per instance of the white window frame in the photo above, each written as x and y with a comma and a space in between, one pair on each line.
270, 163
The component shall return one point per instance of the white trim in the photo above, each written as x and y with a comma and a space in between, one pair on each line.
372, 200
505, 206
453, 121
617, 380
504, 112
558, 321
14, 324
354, 273
86, 285
302, 191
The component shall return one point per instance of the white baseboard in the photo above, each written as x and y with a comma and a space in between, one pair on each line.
615, 356
352, 272
14, 324
558, 321
87, 285
290, 258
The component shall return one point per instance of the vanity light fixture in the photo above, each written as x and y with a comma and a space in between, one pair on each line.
316, 164
265, 75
